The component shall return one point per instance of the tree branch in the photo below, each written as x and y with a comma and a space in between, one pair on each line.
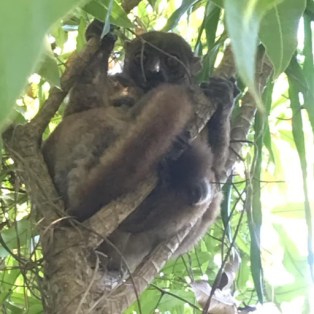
243, 121
125, 295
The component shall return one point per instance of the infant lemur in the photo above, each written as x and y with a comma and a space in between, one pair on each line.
106, 144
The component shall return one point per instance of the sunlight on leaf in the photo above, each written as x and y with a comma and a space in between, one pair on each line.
48, 68
295, 264
308, 68
15, 236
99, 9
278, 32
8, 279
243, 22
176, 15
23, 25
290, 210
298, 136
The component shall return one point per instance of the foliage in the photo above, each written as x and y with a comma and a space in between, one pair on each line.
269, 194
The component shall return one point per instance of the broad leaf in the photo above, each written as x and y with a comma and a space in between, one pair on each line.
49, 68
99, 9
15, 237
23, 25
278, 32
243, 21
219, 3
7, 279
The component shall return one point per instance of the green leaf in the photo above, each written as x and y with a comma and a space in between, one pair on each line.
7, 280
255, 215
152, 3
176, 15
17, 236
218, 3
175, 301
296, 75
243, 21
209, 24
23, 25
294, 264
267, 101
49, 68
243, 273
297, 123
106, 28
24, 303
298, 136
225, 208
290, 210
148, 300
278, 32
99, 10
308, 68
310, 8
80, 40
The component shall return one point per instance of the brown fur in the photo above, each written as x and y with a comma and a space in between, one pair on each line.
100, 150
80, 140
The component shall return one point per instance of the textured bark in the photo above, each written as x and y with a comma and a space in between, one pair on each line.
242, 123
73, 282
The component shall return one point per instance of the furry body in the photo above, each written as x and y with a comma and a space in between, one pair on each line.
100, 150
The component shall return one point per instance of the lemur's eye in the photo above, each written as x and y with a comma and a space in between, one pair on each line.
172, 61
